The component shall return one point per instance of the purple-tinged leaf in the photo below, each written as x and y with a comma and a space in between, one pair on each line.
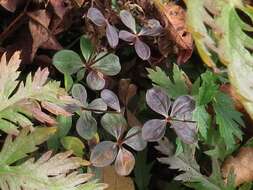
128, 20
79, 93
108, 64
112, 35
98, 104
124, 163
153, 28
182, 109
154, 130
134, 139
127, 36
183, 105
104, 154
86, 125
96, 16
186, 131
158, 101
111, 99
142, 49
95, 80
115, 124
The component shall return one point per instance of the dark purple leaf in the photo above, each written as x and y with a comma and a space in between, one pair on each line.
134, 139
158, 101
115, 124
96, 16
112, 35
86, 125
127, 36
142, 49
79, 92
154, 130
186, 131
111, 99
128, 19
153, 28
182, 109
104, 154
125, 162
95, 80
183, 105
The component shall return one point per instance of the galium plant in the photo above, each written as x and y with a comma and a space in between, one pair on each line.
106, 152
98, 19
97, 65
180, 117
152, 29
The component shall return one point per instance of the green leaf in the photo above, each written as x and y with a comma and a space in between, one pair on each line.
18, 148
107, 64
203, 120
190, 170
86, 47
63, 126
228, 38
142, 170
48, 172
68, 82
115, 124
208, 88
86, 125
228, 119
74, 144
174, 88
67, 62
19, 102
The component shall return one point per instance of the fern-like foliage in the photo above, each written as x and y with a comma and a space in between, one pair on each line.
227, 38
47, 173
20, 100
185, 162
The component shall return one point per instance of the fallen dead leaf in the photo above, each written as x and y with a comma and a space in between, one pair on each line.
241, 165
61, 7
115, 181
10, 5
174, 17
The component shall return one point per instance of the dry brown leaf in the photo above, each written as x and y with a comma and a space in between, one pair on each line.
61, 7
40, 33
10, 5
79, 3
174, 17
115, 181
241, 165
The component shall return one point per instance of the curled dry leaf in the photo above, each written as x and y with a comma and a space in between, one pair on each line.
61, 7
175, 20
10, 5
241, 165
126, 91
55, 109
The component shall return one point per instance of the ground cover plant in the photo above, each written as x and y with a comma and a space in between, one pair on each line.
126, 94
